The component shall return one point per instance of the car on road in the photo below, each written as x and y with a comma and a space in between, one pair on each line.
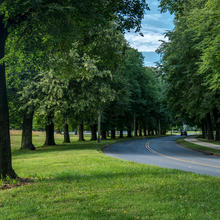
183, 133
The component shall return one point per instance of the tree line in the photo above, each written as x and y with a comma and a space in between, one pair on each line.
191, 64
68, 63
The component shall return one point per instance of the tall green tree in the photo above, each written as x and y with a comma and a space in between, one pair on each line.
24, 15
192, 75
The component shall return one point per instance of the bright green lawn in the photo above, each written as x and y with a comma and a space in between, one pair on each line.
77, 181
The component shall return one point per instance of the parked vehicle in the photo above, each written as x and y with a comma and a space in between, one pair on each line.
183, 133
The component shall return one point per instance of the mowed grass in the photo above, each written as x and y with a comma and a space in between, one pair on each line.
209, 141
77, 181
198, 147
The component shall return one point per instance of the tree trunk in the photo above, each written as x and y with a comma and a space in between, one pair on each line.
163, 132
209, 127
66, 134
140, 131
217, 123
81, 133
103, 133
121, 133
203, 128
75, 133
49, 130
99, 127
94, 132
58, 131
5, 145
107, 134
112, 133
152, 132
26, 142
206, 129
136, 129
129, 131
145, 131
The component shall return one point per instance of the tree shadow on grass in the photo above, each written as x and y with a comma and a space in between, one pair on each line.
60, 147
150, 172
80, 145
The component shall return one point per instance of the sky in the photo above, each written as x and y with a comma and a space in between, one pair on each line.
154, 25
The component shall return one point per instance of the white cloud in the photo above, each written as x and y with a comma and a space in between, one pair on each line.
149, 43
154, 25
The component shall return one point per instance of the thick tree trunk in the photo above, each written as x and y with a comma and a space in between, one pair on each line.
5, 145
26, 141
210, 135
129, 131
75, 132
103, 133
94, 132
81, 132
112, 133
121, 133
66, 133
216, 114
49, 130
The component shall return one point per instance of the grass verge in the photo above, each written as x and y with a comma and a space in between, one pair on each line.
209, 141
77, 181
197, 147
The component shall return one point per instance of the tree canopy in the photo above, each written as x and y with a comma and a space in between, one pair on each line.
190, 64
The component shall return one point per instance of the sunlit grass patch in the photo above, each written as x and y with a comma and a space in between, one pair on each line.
77, 181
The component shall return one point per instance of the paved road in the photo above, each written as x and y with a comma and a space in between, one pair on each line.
164, 152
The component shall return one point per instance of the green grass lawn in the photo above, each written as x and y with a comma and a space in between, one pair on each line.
197, 147
77, 181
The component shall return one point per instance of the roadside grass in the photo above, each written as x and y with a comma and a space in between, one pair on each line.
197, 147
209, 141
77, 181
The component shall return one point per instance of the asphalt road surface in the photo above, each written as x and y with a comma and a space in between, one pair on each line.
164, 152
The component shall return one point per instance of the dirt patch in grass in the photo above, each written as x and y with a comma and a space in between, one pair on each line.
16, 183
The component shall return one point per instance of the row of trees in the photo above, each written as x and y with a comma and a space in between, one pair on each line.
191, 63
127, 98
68, 62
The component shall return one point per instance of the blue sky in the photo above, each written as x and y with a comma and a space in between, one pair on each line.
154, 25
